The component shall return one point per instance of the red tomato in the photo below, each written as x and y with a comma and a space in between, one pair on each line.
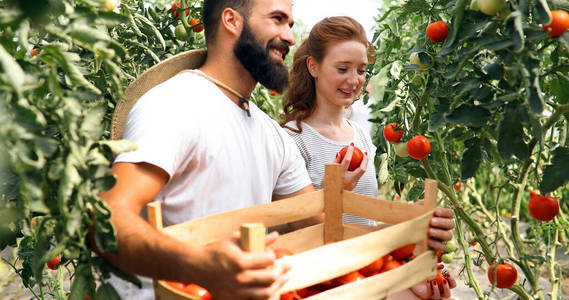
534, 193
345, 279
473, 242
393, 132
506, 275
356, 157
288, 296
197, 292
52, 264
403, 252
457, 185
280, 252
440, 279
419, 147
177, 285
198, 28
439, 257
372, 268
543, 208
175, 13
273, 93
307, 292
390, 264
559, 23
87, 297
437, 31
34, 52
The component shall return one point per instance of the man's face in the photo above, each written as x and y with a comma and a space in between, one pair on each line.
262, 51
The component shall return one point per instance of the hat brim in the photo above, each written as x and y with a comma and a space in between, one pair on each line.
157, 74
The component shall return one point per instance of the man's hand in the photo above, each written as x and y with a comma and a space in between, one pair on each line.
231, 273
440, 227
351, 177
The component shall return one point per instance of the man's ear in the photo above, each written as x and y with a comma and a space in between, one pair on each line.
232, 21
312, 66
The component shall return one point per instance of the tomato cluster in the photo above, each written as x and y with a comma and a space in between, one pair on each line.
418, 147
396, 258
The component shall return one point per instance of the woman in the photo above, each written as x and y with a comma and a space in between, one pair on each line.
328, 73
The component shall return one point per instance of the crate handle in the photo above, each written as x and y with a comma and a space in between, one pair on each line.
252, 237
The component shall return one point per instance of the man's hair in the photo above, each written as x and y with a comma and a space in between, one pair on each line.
211, 14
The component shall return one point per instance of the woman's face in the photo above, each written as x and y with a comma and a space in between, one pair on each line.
340, 76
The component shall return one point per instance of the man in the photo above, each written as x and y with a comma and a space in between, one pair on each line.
203, 151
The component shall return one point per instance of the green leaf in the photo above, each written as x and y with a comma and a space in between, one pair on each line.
469, 115
536, 102
109, 18
91, 127
87, 36
558, 88
107, 292
494, 70
118, 146
555, 174
416, 192
383, 172
458, 16
108, 268
8, 232
150, 25
543, 11
12, 70
471, 159
518, 30
82, 283
511, 133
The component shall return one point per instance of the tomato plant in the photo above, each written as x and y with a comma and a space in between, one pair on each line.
357, 157
559, 23
437, 31
393, 132
502, 275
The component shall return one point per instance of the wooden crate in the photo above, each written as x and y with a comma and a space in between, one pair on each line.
314, 261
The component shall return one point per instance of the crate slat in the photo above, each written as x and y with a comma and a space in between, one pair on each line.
390, 212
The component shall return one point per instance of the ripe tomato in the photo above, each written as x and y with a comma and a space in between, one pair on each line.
440, 257
403, 252
473, 242
345, 279
52, 264
372, 268
273, 93
34, 52
418, 147
356, 157
534, 193
177, 285
288, 296
393, 132
543, 208
198, 28
440, 280
390, 264
307, 292
506, 275
175, 13
415, 60
491, 7
197, 292
457, 185
559, 23
437, 31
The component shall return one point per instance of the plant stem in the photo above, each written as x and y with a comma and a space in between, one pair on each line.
419, 109
518, 289
552, 278
446, 171
472, 281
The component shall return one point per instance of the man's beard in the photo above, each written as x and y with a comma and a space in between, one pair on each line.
256, 60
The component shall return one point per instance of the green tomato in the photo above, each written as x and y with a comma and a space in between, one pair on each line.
451, 246
401, 149
491, 7
415, 60
181, 33
447, 258
474, 5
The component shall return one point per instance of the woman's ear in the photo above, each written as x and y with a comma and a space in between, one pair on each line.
232, 21
312, 66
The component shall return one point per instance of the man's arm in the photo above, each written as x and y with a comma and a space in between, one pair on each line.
222, 268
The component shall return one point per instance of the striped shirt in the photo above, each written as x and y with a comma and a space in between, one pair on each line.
317, 151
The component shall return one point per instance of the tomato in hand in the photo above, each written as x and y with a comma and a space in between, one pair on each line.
393, 132
52, 264
194, 22
506, 274
356, 157
419, 147
437, 31
403, 252
175, 13
559, 23
372, 268
440, 279
543, 208
197, 292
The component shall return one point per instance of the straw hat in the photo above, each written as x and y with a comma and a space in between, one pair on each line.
157, 74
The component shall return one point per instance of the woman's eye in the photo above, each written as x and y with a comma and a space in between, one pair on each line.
361, 72
342, 69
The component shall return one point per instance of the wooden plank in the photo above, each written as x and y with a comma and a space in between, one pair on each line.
380, 210
253, 237
302, 239
211, 228
162, 291
421, 268
154, 212
333, 187
351, 232
431, 191
339, 258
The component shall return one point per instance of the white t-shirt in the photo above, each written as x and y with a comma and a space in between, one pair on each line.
218, 158
317, 151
